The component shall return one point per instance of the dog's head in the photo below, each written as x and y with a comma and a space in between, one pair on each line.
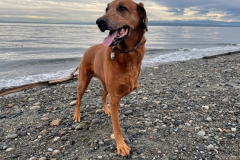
122, 19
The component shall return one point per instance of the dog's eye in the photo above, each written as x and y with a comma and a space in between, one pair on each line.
106, 10
122, 8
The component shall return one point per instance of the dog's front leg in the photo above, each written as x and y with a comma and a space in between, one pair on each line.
122, 148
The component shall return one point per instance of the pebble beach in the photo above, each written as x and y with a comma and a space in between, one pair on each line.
181, 110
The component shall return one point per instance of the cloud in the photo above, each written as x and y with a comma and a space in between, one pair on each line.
203, 9
90, 10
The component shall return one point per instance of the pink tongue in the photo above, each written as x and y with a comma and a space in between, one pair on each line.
109, 39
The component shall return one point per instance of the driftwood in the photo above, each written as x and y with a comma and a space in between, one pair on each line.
220, 55
37, 84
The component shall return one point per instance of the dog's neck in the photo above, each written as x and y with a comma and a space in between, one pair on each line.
133, 49
127, 44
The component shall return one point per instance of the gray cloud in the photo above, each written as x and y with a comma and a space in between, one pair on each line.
89, 10
229, 9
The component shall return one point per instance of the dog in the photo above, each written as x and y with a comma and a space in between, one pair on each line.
117, 61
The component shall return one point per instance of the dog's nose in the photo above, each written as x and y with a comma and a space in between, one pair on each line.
102, 23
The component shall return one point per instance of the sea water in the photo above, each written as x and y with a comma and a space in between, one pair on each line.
37, 52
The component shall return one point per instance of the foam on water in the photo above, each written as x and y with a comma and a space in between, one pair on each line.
6, 83
187, 54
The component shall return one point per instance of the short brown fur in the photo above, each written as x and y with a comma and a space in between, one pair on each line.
119, 77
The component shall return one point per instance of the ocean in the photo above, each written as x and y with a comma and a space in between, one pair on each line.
37, 52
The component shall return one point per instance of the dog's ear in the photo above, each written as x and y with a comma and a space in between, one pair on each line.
142, 14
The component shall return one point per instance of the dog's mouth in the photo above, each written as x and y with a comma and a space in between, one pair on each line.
116, 36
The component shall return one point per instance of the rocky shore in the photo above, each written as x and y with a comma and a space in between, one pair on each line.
182, 110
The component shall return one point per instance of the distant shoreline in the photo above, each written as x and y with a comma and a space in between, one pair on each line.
151, 23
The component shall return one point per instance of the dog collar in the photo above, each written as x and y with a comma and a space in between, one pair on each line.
134, 48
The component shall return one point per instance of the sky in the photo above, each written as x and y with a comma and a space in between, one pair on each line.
90, 10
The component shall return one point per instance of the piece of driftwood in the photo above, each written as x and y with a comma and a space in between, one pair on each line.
220, 55
37, 84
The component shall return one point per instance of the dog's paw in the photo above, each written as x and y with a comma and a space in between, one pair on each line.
123, 149
76, 117
107, 112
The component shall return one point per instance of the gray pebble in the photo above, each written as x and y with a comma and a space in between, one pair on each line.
80, 126
147, 123
201, 133
49, 149
157, 92
209, 119
128, 112
210, 147
9, 149
12, 136
4, 147
99, 157
33, 158
96, 121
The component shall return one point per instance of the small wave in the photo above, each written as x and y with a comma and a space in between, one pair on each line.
187, 54
6, 83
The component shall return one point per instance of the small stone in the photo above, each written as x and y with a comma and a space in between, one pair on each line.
164, 106
4, 147
99, 111
210, 147
155, 68
44, 119
201, 133
12, 136
73, 102
206, 107
227, 131
37, 104
128, 112
144, 98
99, 157
35, 107
80, 126
56, 122
43, 158
96, 121
233, 129
43, 132
55, 152
10, 105
128, 102
140, 92
9, 149
56, 139
225, 100
220, 130
22, 133
139, 151
157, 92
148, 124
49, 149
112, 136
33, 158
209, 119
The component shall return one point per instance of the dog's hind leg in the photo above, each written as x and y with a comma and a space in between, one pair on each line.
104, 101
83, 81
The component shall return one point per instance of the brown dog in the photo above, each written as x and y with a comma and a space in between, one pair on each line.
116, 62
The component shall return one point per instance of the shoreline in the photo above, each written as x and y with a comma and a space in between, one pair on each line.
14, 89
185, 110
